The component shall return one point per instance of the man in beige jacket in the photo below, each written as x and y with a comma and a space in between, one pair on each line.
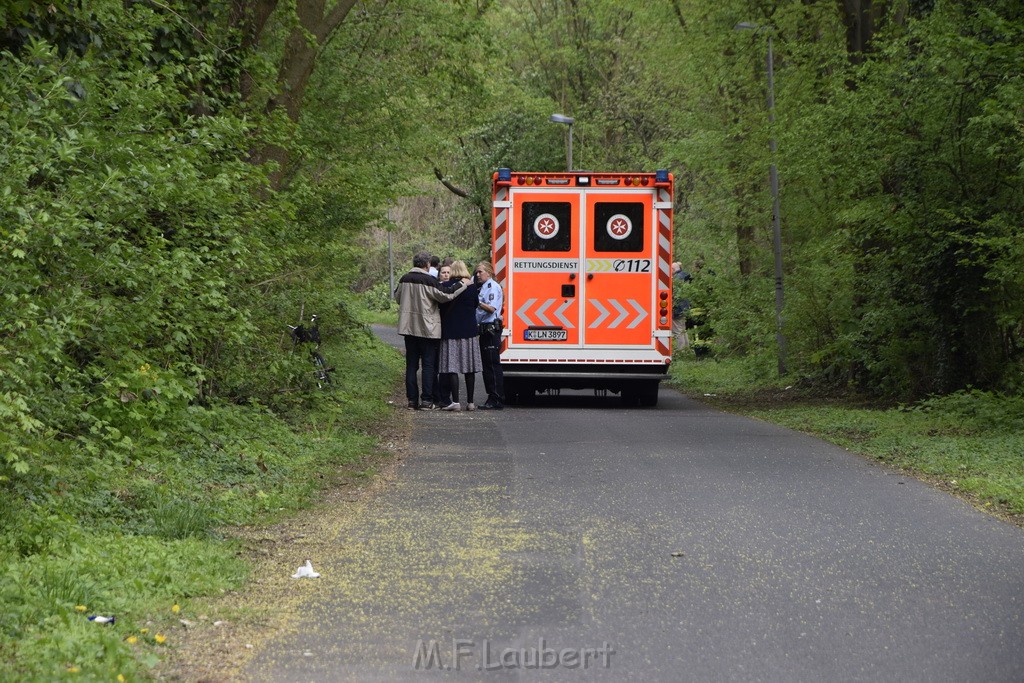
419, 322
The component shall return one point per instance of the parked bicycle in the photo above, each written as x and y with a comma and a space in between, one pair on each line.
301, 334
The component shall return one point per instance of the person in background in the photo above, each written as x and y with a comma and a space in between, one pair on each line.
488, 317
460, 350
435, 261
444, 276
419, 322
680, 304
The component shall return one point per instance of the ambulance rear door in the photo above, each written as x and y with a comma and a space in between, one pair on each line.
620, 262
543, 310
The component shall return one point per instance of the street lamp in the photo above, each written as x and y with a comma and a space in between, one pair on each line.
773, 180
391, 256
568, 120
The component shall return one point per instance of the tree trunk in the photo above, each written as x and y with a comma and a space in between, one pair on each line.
316, 24
250, 18
857, 20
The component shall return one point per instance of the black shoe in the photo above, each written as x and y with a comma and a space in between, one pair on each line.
429, 406
413, 405
491, 406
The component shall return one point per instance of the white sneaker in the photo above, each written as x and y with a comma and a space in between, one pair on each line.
452, 406
470, 406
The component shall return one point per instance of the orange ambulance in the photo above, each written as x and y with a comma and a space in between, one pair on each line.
585, 262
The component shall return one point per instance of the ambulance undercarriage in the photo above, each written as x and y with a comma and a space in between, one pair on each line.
524, 380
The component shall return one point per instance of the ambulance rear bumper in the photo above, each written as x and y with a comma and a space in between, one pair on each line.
531, 374
582, 376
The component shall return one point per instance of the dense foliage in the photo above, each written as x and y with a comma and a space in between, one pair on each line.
179, 180
933, 204
148, 388
900, 164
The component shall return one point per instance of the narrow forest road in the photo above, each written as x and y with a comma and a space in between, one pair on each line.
577, 540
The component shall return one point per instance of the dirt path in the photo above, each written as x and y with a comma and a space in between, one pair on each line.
230, 628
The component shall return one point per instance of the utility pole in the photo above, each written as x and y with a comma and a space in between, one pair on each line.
773, 181
391, 258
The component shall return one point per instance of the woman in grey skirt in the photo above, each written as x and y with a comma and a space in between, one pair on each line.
460, 350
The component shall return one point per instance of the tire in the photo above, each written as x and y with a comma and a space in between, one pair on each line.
648, 394
629, 397
321, 371
513, 392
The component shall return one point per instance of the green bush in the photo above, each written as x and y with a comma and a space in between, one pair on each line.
379, 297
977, 411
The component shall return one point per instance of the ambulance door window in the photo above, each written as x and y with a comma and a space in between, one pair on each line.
546, 226
619, 226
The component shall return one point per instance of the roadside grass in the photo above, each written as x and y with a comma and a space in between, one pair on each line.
712, 375
970, 443
139, 539
375, 306
377, 317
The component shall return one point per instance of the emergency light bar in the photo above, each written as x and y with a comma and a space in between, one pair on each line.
661, 178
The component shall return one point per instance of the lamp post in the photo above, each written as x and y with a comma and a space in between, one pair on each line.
773, 181
568, 120
391, 257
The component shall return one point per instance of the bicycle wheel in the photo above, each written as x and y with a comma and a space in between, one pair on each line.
321, 371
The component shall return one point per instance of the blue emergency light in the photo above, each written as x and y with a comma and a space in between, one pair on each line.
661, 176
505, 175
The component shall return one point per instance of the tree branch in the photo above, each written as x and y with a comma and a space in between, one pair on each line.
334, 18
454, 190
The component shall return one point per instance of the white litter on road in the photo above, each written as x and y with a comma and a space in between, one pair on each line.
305, 572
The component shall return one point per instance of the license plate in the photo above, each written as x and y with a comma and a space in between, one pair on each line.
545, 335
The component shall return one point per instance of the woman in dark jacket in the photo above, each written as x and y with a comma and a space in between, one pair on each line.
460, 349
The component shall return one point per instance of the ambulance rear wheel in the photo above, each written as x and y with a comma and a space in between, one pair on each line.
513, 392
629, 397
649, 394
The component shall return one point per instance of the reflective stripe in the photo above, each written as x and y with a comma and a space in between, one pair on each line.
623, 313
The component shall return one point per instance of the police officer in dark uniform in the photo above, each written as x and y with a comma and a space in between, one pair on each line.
488, 317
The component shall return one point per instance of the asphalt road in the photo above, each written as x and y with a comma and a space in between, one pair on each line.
577, 540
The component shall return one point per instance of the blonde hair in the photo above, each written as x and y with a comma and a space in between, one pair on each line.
459, 269
486, 265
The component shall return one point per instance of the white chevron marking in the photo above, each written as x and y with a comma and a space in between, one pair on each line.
641, 314
526, 307
560, 314
623, 313
540, 312
604, 313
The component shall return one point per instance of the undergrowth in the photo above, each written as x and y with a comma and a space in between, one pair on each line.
136, 536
